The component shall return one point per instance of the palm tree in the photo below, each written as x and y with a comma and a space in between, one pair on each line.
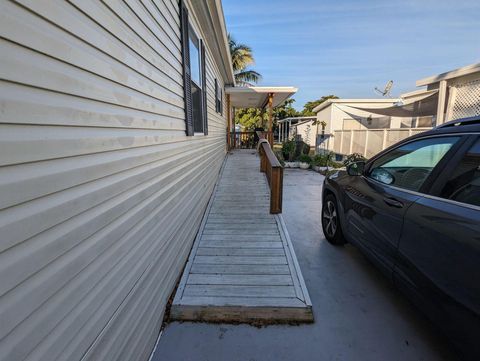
242, 57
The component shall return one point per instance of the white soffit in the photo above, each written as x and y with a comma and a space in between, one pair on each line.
257, 97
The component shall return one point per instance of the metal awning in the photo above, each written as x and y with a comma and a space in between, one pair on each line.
419, 106
257, 97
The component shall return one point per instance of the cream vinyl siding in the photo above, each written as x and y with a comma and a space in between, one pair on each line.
101, 192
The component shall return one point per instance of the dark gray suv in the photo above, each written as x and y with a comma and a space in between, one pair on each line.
414, 210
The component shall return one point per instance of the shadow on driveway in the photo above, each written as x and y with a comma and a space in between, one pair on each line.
358, 314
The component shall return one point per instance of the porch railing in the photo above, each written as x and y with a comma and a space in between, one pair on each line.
273, 170
243, 140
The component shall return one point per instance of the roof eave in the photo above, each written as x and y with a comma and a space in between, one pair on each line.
466, 70
213, 24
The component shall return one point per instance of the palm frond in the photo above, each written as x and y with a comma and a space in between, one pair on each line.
241, 54
247, 77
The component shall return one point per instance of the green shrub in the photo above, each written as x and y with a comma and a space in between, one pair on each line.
288, 150
320, 160
304, 158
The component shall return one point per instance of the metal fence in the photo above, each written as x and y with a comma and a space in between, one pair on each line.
369, 142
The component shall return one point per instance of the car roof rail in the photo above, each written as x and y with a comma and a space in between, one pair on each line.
459, 122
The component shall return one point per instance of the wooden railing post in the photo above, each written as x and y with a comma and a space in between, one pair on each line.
229, 116
276, 190
273, 170
263, 161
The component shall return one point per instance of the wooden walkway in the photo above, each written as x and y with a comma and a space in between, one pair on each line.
242, 267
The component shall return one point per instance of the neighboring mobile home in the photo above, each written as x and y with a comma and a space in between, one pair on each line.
458, 92
112, 133
345, 115
367, 126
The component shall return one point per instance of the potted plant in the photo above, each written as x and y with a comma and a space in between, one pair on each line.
304, 161
288, 151
320, 162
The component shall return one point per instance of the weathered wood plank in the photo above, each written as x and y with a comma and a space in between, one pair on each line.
222, 251
239, 291
224, 220
245, 260
239, 237
240, 227
244, 280
240, 269
242, 301
241, 232
208, 312
241, 244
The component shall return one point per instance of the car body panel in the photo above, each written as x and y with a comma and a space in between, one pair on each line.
438, 265
430, 246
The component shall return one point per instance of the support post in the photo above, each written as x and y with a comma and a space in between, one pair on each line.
263, 160
452, 97
442, 95
270, 119
276, 190
229, 116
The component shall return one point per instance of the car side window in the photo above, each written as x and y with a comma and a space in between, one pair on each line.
409, 165
464, 183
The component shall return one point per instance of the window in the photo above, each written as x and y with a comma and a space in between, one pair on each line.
218, 98
194, 84
196, 79
464, 183
409, 165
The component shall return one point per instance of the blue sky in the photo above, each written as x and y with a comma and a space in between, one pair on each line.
347, 47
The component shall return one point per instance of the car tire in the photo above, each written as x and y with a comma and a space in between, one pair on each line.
331, 226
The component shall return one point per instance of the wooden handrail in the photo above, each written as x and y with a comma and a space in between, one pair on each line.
273, 170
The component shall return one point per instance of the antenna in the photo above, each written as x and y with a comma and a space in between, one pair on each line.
385, 92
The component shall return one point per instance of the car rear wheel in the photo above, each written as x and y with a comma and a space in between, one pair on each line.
331, 222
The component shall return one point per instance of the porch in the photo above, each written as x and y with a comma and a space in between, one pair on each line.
242, 266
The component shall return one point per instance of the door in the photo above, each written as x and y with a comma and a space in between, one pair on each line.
439, 250
376, 202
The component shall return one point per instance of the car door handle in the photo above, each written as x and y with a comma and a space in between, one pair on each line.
392, 202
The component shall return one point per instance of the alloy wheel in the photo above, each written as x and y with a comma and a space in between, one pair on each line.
330, 218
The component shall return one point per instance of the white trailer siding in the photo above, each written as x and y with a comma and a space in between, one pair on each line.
101, 192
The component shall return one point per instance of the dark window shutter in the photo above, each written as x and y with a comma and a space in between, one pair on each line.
187, 85
221, 102
216, 95
204, 89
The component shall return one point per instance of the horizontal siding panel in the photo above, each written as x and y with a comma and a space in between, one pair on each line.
51, 40
148, 35
79, 26
24, 182
47, 246
23, 143
22, 222
110, 21
95, 271
160, 13
156, 25
101, 191
26, 66
22, 104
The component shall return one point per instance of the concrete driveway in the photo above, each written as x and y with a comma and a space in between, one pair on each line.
358, 314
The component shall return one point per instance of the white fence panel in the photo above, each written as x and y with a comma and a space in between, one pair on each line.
370, 142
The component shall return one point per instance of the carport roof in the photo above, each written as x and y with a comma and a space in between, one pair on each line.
257, 97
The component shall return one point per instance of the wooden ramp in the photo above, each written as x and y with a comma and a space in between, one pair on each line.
242, 267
